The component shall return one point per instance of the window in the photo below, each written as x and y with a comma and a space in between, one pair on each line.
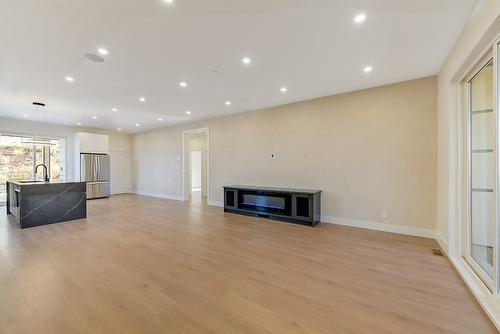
482, 171
18, 160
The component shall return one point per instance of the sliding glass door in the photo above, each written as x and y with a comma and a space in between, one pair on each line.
481, 241
18, 160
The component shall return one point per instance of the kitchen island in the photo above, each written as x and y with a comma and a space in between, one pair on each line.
36, 203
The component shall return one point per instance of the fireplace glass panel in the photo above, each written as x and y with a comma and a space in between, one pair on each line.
265, 202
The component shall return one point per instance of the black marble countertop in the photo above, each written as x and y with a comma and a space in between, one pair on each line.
41, 203
291, 190
39, 182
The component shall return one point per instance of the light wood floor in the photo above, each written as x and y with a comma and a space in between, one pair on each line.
146, 265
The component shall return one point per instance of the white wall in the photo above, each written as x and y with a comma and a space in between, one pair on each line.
199, 143
117, 142
195, 170
484, 25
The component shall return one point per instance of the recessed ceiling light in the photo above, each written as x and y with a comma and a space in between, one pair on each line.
160, 119
359, 18
183, 84
142, 99
119, 129
25, 115
367, 69
168, 1
228, 103
246, 61
103, 51
94, 117
283, 89
137, 124
114, 109
79, 123
69, 79
188, 112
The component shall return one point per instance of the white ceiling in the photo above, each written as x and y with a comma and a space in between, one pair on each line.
310, 46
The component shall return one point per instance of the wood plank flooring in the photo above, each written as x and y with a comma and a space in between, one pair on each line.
147, 265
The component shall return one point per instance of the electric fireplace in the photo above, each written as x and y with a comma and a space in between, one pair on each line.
300, 206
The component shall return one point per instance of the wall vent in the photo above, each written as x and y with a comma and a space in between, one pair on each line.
437, 252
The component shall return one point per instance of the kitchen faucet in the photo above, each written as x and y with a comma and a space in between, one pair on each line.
46, 174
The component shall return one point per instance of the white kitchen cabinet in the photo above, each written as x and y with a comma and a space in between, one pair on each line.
92, 143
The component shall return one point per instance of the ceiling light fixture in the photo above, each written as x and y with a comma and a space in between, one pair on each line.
103, 51
69, 79
367, 69
137, 124
359, 18
246, 61
188, 112
160, 119
142, 99
228, 103
94, 117
283, 89
79, 123
119, 129
114, 109
25, 115
168, 1
183, 84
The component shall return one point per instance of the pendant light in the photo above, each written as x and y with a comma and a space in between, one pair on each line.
37, 139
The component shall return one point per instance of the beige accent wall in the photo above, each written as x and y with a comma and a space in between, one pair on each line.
368, 151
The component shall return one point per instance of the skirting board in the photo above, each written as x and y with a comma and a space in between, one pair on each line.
443, 244
159, 195
407, 230
215, 203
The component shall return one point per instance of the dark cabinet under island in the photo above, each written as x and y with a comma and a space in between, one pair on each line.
300, 206
36, 203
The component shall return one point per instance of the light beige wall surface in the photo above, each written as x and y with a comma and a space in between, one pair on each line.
481, 29
368, 150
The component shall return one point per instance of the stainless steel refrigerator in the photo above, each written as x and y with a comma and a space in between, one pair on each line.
94, 169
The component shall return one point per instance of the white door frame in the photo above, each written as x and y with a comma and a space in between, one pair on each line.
185, 164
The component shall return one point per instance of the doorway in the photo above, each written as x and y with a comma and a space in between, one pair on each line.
195, 162
120, 172
195, 165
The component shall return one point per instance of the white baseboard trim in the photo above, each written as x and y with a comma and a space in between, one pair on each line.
488, 301
407, 230
215, 203
442, 243
158, 195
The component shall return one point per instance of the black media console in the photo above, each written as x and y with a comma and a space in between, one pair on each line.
298, 206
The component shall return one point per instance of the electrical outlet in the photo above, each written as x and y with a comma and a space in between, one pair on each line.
383, 213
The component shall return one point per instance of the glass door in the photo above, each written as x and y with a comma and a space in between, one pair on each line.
481, 240
18, 160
